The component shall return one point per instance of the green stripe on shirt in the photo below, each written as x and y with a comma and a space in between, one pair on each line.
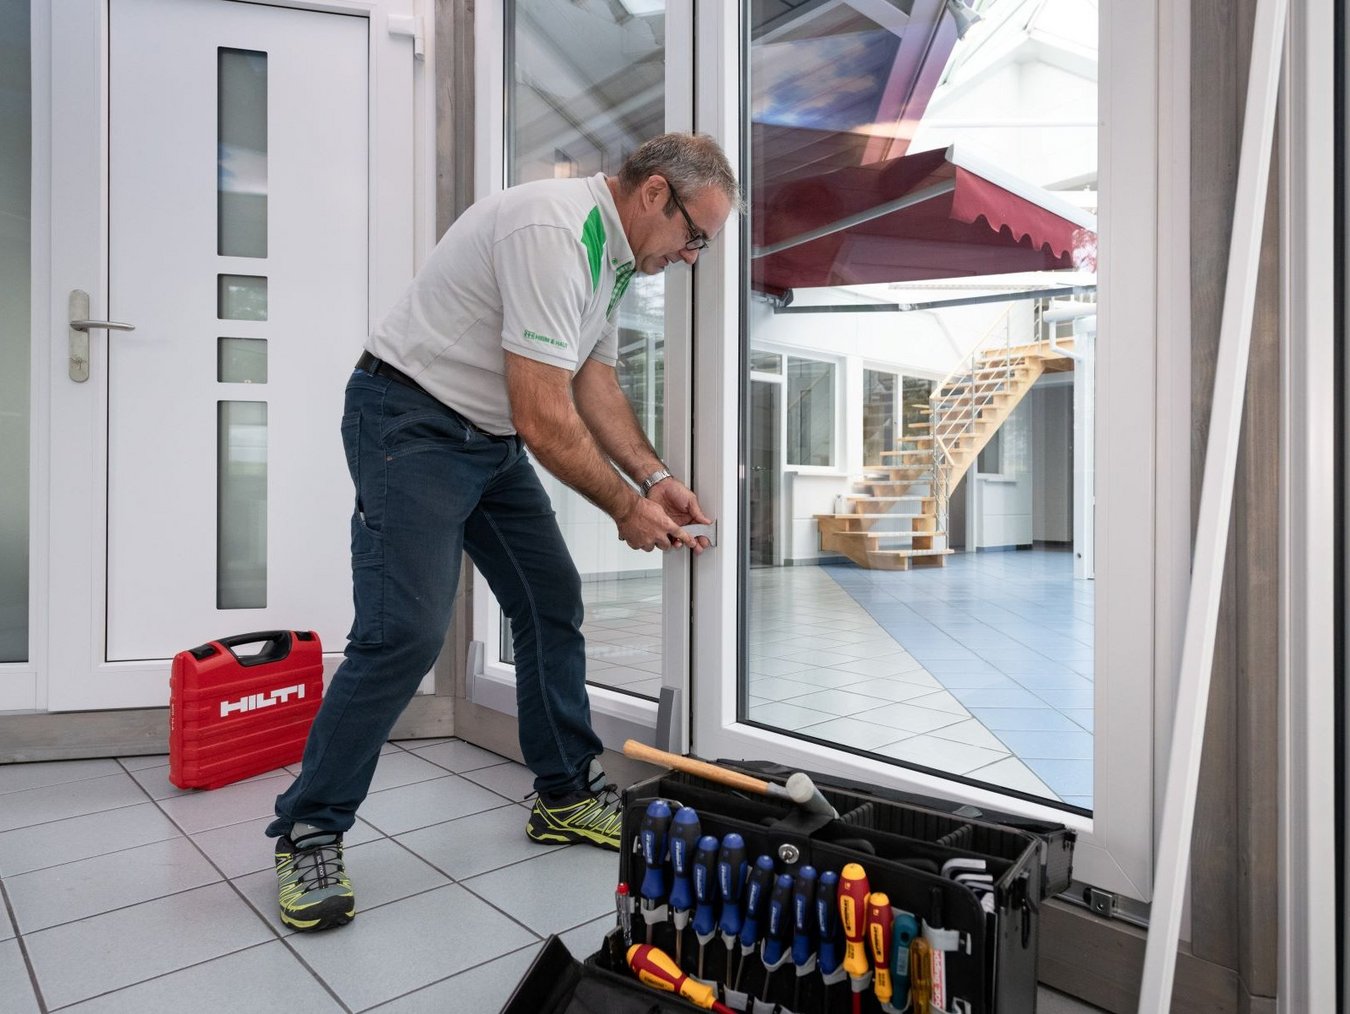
593, 239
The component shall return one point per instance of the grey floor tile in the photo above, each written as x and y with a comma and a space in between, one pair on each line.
1066, 777
510, 780
243, 848
554, 892
1016, 698
854, 733
457, 755
65, 841
408, 807
221, 807
259, 980
943, 754
1013, 773
784, 715
972, 732
154, 779
28, 807
1083, 716
401, 947
907, 718
400, 767
150, 760
6, 924
1001, 719
1049, 745
1076, 700
16, 988
17, 777
477, 843
61, 894
84, 959
483, 988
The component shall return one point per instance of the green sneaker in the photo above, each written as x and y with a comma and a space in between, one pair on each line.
591, 815
315, 893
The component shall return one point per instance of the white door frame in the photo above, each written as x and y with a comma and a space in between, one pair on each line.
1143, 473
70, 194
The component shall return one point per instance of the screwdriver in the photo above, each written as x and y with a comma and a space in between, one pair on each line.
705, 893
730, 879
654, 968
774, 951
684, 835
879, 923
920, 974
853, 891
904, 930
803, 926
827, 926
652, 834
758, 886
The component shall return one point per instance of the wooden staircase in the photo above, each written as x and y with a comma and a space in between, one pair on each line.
896, 512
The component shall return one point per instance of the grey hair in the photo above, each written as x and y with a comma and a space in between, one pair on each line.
689, 163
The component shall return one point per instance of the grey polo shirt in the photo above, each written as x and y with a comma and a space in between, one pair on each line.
537, 269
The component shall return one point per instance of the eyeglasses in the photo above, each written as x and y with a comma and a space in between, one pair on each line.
697, 238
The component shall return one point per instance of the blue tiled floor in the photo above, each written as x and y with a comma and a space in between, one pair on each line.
1010, 635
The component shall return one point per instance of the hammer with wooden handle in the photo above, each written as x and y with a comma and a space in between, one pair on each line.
799, 788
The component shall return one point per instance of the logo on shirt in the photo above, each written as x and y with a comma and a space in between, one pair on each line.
543, 339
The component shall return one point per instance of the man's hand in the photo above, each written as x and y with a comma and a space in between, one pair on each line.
647, 526
678, 501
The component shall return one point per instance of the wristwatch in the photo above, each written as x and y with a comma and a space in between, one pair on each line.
658, 476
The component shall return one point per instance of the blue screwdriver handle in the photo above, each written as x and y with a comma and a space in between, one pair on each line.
779, 931
803, 903
827, 921
652, 834
684, 835
756, 891
730, 878
705, 886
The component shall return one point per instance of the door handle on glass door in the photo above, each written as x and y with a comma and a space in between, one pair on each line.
80, 326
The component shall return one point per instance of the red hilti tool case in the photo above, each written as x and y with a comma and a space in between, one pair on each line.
233, 716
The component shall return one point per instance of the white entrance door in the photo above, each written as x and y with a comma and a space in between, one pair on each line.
237, 246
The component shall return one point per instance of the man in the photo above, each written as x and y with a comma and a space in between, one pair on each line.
505, 340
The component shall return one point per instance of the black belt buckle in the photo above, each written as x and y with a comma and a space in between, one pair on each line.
379, 368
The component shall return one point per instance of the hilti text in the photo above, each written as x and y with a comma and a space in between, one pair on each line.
252, 702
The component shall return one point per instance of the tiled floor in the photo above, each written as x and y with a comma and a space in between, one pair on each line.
982, 668
121, 893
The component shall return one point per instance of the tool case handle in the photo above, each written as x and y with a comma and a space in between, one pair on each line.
278, 646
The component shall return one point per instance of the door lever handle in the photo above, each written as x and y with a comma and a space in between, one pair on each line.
80, 326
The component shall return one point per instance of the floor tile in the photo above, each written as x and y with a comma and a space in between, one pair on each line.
1046, 717
258, 980
154, 779
1084, 801
402, 768
6, 924
771, 688
786, 716
477, 843
17, 777
554, 892
1054, 682
851, 732
28, 807
398, 948
1066, 777
151, 760
908, 718
394, 811
231, 804
840, 703
1049, 745
65, 841
1013, 773
62, 894
943, 754
776, 667
457, 755
1083, 716
893, 689
485, 987
1067, 699
972, 732
1014, 698
16, 988
133, 944
941, 700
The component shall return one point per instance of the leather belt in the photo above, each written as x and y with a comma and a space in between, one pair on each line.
379, 368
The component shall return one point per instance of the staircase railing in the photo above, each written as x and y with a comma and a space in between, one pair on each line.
952, 417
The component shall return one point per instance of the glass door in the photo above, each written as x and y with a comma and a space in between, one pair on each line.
584, 85
917, 210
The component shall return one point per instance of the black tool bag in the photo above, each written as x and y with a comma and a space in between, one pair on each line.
988, 933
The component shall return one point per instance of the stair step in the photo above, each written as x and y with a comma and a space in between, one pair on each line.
872, 535
884, 499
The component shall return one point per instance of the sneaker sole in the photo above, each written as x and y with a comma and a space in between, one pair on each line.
322, 923
569, 838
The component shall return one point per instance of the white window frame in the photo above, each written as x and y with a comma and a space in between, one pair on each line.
67, 632
491, 683
1144, 473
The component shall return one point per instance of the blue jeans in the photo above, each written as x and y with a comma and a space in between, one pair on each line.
430, 486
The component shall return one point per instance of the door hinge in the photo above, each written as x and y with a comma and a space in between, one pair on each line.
410, 25
1101, 902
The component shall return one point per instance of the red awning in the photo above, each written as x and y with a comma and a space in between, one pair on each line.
930, 215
